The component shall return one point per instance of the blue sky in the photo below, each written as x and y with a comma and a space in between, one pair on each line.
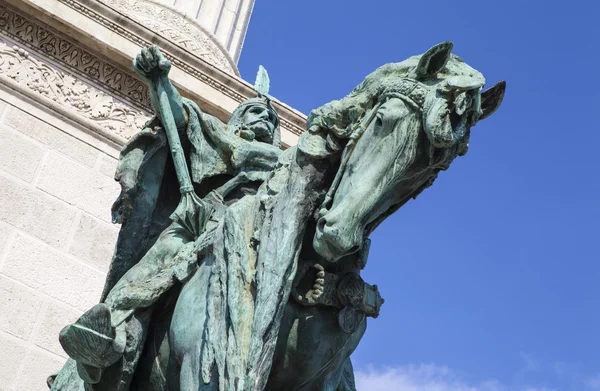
492, 276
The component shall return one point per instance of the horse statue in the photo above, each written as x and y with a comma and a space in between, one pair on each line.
263, 289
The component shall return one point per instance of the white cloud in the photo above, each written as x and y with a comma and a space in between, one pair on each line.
426, 377
593, 383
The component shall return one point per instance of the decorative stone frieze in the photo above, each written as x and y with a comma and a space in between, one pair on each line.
174, 26
26, 62
47, 64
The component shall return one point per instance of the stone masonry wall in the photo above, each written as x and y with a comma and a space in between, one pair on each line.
56, 238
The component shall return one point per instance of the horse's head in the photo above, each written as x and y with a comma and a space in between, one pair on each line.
404, 123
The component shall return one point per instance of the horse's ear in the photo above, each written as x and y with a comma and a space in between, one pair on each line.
491, 99
434, 60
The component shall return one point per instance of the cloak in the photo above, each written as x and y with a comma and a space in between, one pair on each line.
149, 188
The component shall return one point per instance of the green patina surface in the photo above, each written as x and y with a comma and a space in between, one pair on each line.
238, 265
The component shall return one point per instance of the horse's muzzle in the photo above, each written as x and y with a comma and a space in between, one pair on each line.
333, 243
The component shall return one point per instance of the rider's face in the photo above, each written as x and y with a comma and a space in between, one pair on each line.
261, 121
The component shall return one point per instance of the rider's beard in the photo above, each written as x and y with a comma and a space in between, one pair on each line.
262, 130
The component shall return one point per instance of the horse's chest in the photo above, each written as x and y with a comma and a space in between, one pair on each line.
310, 340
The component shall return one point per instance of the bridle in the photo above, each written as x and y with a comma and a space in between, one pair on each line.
410, 91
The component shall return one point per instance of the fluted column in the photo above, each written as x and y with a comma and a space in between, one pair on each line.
227, 20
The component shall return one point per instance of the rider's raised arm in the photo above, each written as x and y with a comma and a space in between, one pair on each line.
179, 114
154, 68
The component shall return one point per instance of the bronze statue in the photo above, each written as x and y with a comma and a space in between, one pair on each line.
238, 265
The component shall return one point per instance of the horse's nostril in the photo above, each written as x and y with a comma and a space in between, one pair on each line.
321, 224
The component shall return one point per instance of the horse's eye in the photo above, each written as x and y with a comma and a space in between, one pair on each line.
378, 120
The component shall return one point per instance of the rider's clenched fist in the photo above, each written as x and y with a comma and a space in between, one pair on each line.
150, 63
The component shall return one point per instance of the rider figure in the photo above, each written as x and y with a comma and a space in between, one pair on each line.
251, 142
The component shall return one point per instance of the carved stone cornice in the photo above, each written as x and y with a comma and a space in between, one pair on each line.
174, 26
42, 81
75, 58
221, 81
76, 45
66, 80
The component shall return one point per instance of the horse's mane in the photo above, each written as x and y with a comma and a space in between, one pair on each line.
341, 116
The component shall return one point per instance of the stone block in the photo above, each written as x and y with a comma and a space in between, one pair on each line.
51, 136
54, 317
5, 231
19, 307
35, 212
19, 155
53, 273
38, 366
85, 188
108, 166
94, 241
12, 354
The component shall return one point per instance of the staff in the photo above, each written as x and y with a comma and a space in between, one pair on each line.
152, 66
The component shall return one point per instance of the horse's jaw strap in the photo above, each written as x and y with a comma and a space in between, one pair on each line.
409, 90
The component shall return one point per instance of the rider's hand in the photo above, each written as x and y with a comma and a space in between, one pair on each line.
150, 63
154, 69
